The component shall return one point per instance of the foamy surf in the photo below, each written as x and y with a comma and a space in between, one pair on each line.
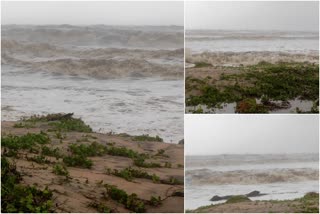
116, 78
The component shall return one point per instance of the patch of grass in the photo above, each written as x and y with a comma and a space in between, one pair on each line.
161, 152
130, 173
78, 161
140, 162
45, 150
155, 178
146, 137
59, 135
60, 169
73, 124
124, 152
26, 125
27, 141
19, 198
131, 202
155, 201
93, 149
123, 135
101, 208
238, 198
281, 81
40, 159
167, 165
61, 122
89, 136
201, 65
172, 181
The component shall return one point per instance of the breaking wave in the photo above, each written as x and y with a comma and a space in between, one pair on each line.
170, 37
206, 176
209, 35
250, 57
94, 62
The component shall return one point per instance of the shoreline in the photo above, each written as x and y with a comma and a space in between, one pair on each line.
242, 204
261, 88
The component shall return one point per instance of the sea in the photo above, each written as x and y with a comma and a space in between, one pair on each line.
122, 79
279, 176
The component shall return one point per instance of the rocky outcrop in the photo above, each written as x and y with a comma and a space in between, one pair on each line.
251, 194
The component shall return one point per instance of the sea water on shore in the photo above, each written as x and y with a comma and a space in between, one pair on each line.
279, 176
133, 106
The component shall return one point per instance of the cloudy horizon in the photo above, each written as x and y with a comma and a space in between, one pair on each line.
124, 13
251, 134
253, 15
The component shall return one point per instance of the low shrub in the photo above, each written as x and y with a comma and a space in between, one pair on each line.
27, 141
147, 137
16, 197
60, 169
78, 161
155, 201
140, 162
131, 202
45, 150
130, 173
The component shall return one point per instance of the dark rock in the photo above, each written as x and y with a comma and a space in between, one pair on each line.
178, 194
254, 194
251, 194
181, 142
218, 198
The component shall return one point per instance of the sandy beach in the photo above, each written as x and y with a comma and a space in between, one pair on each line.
84, 189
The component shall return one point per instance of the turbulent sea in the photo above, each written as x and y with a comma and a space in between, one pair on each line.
232, 48
279, 176
116, 78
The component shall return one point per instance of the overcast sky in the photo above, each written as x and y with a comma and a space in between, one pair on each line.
90, 12
300, 16
251, 134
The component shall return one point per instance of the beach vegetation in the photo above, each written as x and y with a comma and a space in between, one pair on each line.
140, 162
130, 173
26, 125
131, 202
269, 82
100, 207
60, 169
155, 201
45, 150
78, 161
25, 142
40, 159
146, 137
201, 64
16, 197
237, 198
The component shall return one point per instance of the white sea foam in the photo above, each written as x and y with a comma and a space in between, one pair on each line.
120, 79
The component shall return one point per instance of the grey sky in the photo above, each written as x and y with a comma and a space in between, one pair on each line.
254, 134
258, 15
90, 12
